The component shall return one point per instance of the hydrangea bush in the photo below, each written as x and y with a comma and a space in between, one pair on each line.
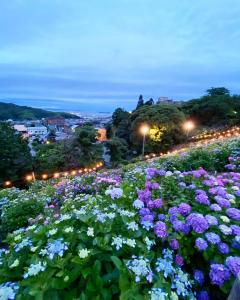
146, 233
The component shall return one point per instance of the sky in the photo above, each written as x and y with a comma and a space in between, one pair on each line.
96, 55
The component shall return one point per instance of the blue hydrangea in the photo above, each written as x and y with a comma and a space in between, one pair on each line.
8, 290
56, 247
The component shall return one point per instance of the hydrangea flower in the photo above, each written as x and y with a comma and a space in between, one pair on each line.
179, 260
233, 263
35, 269
26, 242
201, 244
202, 197
160, 229
184, 209
223, 248
198, 276
219, 274
215, 207
56, 247
90, 231
174, 244
198, 223
158, 294
117, 242
141, 268
115, 193
83, 253
212, 221
132, 226
8, 290
138, 204
233, 213
225, 229
213, 238
203, 295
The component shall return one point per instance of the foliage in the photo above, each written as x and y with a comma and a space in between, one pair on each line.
142, 233
118, 150
20, 113
166, 119
212, 158
79, 151
14, 152
217, 108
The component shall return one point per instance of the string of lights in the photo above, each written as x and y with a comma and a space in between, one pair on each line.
32, 177
200, 140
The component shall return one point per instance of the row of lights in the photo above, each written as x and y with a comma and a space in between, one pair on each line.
213, 137
235, 131
45, 176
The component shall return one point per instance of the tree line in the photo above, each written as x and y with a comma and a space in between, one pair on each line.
217, 108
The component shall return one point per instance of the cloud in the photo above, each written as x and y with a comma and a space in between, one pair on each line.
115, 50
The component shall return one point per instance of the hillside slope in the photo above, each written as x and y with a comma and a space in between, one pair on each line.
17, 112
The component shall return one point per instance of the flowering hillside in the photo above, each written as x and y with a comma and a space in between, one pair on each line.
156, 230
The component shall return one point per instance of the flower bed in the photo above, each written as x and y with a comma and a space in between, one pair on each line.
147, 234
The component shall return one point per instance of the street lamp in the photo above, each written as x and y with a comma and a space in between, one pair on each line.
188, 126
144, 129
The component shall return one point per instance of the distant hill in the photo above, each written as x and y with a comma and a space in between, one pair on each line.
17, 112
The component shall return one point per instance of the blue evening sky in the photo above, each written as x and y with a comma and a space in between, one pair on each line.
96, 55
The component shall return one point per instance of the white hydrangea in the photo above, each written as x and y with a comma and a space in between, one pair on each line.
90, 231
83, 253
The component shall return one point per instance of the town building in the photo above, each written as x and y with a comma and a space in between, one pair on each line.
37, 131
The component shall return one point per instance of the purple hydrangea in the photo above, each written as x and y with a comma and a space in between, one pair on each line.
233, 263
212, 221
224, 203
201, 244
233, 213
184, 209
161, 217
144, 211
173, 210
144, 195
219, 274
203, 295
174, 244
235, 229
198, 223
198, 276
160, 229
150, 204
179, 260
213, 238
158, 203
177, 225
202, 197
147, 221
223, 248
225, 229
155, 186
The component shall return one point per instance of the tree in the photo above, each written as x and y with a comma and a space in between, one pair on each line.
219, 91
218, 108
165, 123
140, 102
15, 156
81, 150
118, 150
150, 102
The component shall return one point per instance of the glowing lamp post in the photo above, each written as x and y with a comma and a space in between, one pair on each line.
188, 126
144, 129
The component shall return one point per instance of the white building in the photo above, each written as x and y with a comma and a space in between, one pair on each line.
37, 131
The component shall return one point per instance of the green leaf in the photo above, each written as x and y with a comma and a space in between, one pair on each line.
117, 262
